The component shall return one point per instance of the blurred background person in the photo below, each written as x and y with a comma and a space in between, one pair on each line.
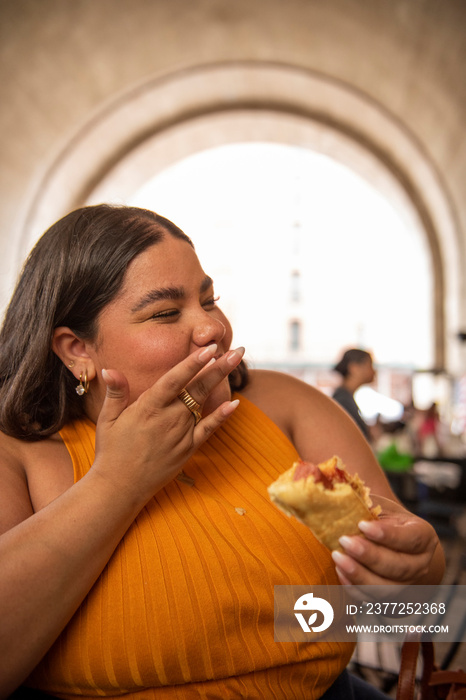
356, 369
428, 433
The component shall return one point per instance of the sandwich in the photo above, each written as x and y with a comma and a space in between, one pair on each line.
326, 498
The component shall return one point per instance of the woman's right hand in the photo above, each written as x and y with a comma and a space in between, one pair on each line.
51, 558
142, 446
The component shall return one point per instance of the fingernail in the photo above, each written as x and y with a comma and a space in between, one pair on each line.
343, 580
207, 352
105, 375
229, 408
343, 562
371, 529
234, 356
352, 545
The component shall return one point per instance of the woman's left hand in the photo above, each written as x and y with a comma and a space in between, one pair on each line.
398, 548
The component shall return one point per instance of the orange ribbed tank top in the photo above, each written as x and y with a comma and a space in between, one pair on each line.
184, 608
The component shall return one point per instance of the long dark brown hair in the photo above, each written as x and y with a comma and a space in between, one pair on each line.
72, 273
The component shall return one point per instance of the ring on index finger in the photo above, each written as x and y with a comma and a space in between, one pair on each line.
191, 405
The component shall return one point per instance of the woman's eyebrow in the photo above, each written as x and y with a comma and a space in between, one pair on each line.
158, 295
163, 293
206, 283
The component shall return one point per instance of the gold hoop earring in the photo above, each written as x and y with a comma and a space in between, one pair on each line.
83, 386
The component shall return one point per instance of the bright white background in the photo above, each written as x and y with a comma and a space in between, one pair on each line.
257, 212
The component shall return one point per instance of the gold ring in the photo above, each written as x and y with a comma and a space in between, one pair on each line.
191, 405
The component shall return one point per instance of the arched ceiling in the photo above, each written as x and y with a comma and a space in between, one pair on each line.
162, 120
88, 87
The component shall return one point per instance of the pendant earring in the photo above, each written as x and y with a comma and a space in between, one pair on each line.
83, 386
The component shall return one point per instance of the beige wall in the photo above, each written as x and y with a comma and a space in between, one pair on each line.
66, 64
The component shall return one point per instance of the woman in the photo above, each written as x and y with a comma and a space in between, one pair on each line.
139, 548
357, 369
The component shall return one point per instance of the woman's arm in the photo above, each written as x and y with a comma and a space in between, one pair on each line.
50, 559
49, 563
399, 547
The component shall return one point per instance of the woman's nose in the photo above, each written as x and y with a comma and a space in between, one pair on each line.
208, 330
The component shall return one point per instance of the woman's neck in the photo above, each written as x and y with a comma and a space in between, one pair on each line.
350, 384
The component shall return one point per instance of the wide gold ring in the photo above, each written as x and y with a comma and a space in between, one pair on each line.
191, 405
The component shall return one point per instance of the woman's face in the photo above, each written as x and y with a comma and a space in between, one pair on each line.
364, 371
165, 310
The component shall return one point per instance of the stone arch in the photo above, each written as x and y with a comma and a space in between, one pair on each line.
164, 119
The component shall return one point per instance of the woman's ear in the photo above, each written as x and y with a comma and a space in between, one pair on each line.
72, 351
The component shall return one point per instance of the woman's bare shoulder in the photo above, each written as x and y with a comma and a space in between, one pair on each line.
12, 454
281, 396
266, 385
31, 475
19, 454
15, 504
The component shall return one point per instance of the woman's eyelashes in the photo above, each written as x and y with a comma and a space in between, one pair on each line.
211, 301
167, 314
173, 314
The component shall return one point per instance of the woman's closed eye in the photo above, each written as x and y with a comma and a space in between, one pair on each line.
165, 314
210, 302
173, 314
